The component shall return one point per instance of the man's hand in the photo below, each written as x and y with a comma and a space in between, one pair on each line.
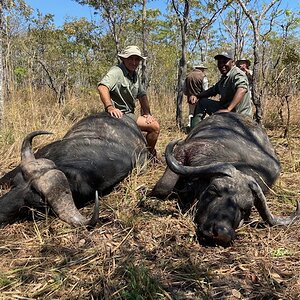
223, 110
115, 112
192, 99
149, 119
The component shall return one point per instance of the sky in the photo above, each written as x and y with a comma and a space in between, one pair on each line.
62, 9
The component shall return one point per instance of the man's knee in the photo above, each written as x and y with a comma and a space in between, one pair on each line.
155, 127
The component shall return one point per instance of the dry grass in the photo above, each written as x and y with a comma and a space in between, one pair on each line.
143, 248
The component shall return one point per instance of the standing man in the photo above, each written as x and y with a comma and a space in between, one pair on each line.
121, 87
195, 83
233, 88
244, 64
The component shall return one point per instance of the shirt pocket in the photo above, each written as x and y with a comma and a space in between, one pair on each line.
125, 90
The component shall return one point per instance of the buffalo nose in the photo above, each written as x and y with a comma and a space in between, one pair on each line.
223, 234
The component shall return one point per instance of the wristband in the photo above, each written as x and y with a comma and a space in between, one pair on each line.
106, 107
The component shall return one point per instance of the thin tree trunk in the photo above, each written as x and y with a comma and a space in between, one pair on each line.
182, 62
145, 80
1, 65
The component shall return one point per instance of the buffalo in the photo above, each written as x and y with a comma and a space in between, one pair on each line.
97, 153
226, 164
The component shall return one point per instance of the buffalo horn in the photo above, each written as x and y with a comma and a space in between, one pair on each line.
260, 203
53, 184
26, 149
205, 170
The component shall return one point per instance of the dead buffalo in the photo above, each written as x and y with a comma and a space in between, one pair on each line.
226, 163
97, 153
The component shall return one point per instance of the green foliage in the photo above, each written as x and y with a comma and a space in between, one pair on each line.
20, 73
8, 137
280, 252
140, 284
291, 55
4, 281
79, 53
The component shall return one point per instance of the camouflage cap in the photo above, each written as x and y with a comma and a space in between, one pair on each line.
226, 54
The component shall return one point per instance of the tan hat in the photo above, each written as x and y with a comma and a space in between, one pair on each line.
131, 50
200, 66
247, 61
226, 54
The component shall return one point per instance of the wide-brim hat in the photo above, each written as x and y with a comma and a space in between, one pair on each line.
131, 50
200, 66
224, 54
247, 61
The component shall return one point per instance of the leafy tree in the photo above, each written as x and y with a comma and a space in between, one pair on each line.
8, 9
72, 58
260, 30
116, 13
188, 14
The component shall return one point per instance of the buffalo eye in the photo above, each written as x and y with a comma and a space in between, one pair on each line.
214, 191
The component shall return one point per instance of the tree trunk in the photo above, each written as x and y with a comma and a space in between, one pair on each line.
181, 78
182, 62
256, 95
145, 80
1, 65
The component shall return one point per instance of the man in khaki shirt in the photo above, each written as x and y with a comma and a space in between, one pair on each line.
121, 87
233, 88
195, 83
244, 65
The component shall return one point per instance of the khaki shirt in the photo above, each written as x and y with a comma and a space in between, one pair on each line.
227, 86
193, 84
124, 89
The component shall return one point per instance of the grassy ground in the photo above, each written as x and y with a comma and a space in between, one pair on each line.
144, 248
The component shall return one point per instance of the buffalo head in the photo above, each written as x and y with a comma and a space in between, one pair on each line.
51, 183
226, 200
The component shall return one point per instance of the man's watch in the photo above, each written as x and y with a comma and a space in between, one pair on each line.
106, 107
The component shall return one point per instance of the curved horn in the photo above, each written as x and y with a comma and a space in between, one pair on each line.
59, 197
221, 168
26, 149
53, 184
264, 211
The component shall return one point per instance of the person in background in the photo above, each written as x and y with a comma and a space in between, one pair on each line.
121, 87
232, 87
195, 82
244, 64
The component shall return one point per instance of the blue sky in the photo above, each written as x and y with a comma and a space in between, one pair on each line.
62, 9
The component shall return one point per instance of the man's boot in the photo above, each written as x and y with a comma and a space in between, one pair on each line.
197, 119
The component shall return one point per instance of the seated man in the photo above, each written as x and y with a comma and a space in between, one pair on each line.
233, 88
121, 87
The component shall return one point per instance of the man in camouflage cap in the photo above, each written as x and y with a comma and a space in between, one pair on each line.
233, 88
